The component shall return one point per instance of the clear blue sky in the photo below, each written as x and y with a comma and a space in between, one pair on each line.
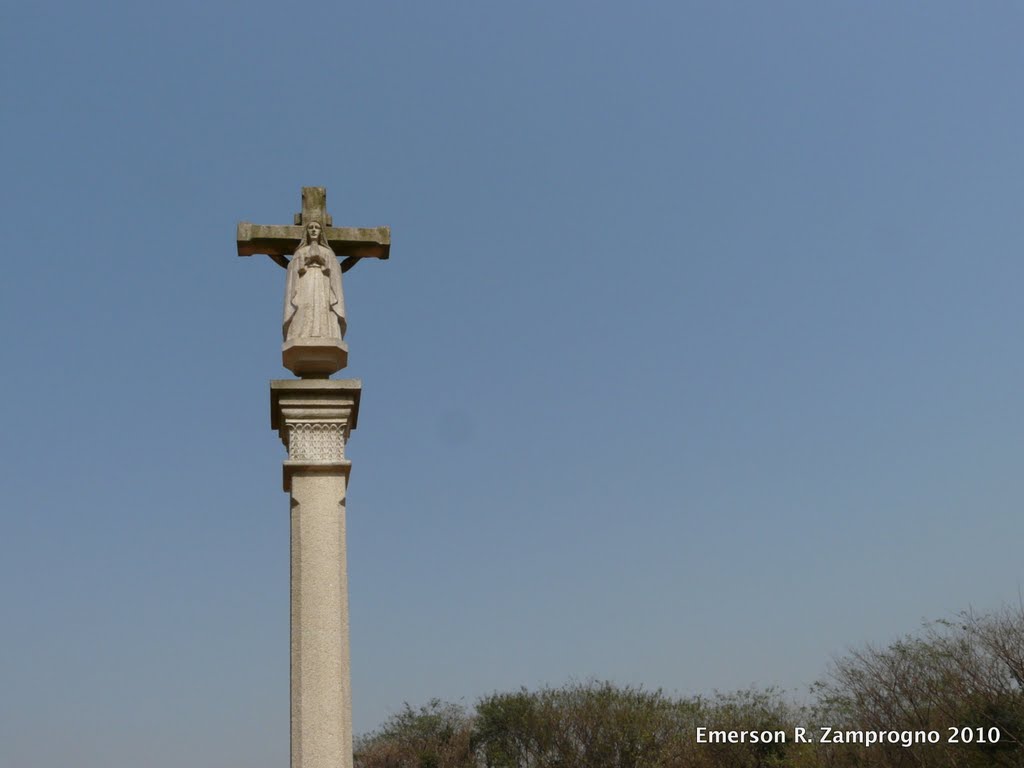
698, 359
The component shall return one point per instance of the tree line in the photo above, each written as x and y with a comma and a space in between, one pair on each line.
950, 695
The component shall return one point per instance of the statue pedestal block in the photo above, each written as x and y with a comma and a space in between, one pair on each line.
314, 357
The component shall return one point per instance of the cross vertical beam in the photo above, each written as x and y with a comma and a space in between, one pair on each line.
314, 207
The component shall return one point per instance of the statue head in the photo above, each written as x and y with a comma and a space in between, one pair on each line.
314, 233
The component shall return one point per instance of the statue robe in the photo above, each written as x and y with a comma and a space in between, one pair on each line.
314, 306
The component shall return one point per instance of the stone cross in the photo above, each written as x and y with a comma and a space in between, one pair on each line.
314, 305
314, 417
279, 240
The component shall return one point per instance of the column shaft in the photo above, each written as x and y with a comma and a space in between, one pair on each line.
314, 418
320, 697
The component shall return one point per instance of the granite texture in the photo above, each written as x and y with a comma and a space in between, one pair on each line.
314, 418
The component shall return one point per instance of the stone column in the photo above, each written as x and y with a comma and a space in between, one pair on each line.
314, 418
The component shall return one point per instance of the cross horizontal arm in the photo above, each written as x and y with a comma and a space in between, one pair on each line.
278, 240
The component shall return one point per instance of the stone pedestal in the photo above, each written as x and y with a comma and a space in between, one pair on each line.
314, 418
314, 357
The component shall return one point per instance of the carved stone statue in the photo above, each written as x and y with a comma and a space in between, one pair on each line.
314, 308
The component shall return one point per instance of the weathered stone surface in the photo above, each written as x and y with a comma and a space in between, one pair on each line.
314, 418
314, 303
314, 358
321, 699
314, 309
280, 240
294, 404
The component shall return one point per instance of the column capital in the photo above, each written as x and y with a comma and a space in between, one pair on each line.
314, 418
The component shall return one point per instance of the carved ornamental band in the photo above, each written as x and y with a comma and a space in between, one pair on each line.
316, 441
